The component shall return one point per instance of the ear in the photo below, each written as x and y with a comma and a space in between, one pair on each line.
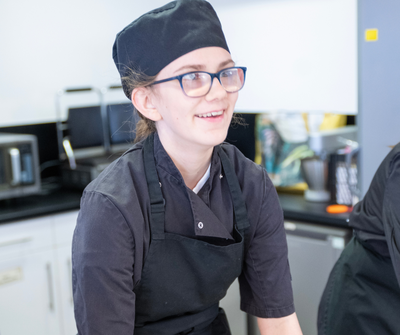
142, 99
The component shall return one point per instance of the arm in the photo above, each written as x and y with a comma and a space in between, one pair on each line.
102, 264
288, 325
265, 282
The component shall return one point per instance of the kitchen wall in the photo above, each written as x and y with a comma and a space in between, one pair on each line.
48, 45
379, 83
301, 54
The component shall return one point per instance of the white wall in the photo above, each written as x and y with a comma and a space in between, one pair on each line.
301, 54
48, 45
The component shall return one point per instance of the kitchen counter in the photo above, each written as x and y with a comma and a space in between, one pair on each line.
295, 207
59, 200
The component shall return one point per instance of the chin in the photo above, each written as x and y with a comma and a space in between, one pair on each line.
215, 139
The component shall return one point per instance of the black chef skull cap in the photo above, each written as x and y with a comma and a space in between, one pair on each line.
164, 34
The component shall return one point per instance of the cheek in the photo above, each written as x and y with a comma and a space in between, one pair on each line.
234, 97
232, 101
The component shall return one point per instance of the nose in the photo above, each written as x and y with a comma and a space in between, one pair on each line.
216, 91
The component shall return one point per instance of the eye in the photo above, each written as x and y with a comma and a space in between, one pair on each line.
228, 73
194, 76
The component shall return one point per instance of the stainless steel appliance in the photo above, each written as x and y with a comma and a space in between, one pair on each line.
91, 137
19, 165
316, 171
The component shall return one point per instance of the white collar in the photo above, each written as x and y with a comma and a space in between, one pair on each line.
202, 181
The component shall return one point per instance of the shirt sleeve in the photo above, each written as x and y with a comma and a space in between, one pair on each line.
265, 283
391, 214
102, 260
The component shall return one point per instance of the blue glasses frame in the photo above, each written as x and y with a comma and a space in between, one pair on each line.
212, 75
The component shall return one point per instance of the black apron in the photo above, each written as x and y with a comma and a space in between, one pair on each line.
362, 296
183, 279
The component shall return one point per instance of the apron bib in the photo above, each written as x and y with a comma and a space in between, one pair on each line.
184, 279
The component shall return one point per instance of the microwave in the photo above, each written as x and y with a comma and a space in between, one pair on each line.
19, 165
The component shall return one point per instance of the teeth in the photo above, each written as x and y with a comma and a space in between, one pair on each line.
210, 114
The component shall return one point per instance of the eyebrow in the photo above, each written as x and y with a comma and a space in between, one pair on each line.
201, 67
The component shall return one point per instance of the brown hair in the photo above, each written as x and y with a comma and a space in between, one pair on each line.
145, 126
133, 80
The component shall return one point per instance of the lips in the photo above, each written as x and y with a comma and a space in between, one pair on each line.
211, 114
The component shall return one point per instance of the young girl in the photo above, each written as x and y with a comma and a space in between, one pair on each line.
164, 230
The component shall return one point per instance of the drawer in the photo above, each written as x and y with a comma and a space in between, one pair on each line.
20, 238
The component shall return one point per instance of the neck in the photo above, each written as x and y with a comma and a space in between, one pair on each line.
192, 162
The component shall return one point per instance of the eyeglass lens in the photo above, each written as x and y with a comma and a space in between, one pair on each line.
197, 84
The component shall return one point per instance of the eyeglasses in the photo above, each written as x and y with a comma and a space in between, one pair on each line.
198, 83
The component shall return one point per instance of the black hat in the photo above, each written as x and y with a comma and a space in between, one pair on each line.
164, 34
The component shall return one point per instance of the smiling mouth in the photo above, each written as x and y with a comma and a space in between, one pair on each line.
212, 114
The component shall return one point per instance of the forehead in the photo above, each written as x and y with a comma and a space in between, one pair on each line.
210, 59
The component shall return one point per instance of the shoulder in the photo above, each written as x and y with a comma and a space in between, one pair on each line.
394, 157
122, 184
120, 174
386, 168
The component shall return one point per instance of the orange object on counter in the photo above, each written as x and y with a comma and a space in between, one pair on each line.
336, 209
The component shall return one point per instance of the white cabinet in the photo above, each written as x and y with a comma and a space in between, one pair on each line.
64, 280
64, 225
29, 303
21, 238
313, 251
35, 276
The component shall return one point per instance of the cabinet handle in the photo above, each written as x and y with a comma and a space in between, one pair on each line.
69, 265
50, 286
16, 241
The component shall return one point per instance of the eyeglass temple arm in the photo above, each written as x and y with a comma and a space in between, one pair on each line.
165, 80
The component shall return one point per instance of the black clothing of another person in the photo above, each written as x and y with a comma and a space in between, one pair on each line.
112, 238
362, 295
376, 219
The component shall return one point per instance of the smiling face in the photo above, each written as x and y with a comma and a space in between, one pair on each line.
185, 122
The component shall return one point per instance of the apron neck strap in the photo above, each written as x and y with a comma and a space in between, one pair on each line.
239, 206
157, 201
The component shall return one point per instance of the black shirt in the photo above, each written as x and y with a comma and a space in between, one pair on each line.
112, 236
376, 219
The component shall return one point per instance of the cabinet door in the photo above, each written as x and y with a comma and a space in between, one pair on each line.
313, 251
28, 300
24, 237
64, 278
64, 225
